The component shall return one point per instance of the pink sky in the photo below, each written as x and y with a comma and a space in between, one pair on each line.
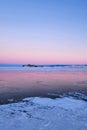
43, 32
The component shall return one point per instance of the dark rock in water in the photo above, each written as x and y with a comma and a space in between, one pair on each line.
23, 65
29, 65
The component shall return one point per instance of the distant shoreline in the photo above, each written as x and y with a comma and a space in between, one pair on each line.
41, 65
55, 65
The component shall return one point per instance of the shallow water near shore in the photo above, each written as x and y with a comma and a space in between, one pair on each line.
19, 83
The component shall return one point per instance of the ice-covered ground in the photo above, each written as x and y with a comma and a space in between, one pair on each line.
44, 114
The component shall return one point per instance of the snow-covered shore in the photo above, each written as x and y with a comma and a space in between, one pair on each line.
44, 114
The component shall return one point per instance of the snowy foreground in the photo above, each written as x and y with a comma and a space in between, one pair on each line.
44, 114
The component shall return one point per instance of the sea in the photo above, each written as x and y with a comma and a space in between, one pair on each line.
53, 81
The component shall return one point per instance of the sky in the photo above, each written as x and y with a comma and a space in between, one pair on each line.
43, 31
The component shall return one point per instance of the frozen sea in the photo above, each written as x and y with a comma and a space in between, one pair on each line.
44, 114
52, 97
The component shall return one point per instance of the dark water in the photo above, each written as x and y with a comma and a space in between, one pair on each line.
18, 83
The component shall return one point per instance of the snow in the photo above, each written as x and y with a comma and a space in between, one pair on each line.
44, 114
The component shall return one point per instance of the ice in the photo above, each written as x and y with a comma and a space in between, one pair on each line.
44, 114
74, 94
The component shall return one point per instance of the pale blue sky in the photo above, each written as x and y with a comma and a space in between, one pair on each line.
43, 31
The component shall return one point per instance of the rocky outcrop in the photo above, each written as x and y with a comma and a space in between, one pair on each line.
29, 65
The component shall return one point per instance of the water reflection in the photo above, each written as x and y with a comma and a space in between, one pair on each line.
20, 84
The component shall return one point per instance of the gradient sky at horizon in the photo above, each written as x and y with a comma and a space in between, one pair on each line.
43, 31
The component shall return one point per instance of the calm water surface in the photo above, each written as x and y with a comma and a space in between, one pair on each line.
17, 84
